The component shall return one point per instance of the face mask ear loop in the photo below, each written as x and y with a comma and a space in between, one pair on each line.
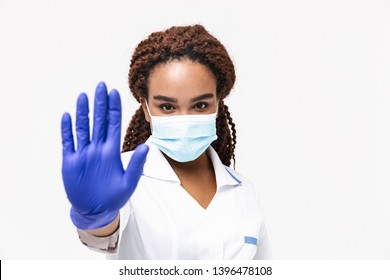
147, 107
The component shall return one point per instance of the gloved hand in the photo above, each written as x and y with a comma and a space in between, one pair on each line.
96, 184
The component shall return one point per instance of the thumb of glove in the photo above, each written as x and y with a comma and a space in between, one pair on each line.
135, 167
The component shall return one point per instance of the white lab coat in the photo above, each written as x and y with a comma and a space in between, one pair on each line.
162, 221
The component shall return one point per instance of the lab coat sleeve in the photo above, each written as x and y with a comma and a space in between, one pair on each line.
107, 244
263, 248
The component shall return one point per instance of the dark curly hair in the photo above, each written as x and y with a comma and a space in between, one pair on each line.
197, 44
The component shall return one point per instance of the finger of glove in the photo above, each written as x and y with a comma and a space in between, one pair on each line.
135, 167
100, 113
67, 135
114, 119
82, 121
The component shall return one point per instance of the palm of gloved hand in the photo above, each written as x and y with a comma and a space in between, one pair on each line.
94, 178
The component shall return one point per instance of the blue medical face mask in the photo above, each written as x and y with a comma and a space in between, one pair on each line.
183, 137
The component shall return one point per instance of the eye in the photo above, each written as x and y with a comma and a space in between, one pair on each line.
166, 107
201, 106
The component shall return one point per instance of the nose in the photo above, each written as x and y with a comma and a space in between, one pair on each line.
183, 112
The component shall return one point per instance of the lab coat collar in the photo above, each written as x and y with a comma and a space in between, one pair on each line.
223, 175
157, 166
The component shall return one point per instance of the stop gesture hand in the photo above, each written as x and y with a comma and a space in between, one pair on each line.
95, 181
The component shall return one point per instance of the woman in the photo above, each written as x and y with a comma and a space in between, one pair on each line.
178, 197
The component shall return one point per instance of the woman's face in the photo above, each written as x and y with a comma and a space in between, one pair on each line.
181, 87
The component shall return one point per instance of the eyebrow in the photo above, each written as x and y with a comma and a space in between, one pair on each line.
202, 97
174, 100
165, 98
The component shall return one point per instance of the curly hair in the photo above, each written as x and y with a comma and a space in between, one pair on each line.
197, 44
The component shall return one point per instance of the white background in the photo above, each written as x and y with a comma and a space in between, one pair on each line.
311, 105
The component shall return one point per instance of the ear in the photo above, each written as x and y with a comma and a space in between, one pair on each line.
146, 113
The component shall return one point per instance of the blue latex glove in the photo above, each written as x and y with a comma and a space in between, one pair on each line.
96, 184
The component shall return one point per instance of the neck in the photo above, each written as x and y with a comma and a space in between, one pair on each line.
201, 163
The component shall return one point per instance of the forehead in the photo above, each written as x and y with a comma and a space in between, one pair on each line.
182, 77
